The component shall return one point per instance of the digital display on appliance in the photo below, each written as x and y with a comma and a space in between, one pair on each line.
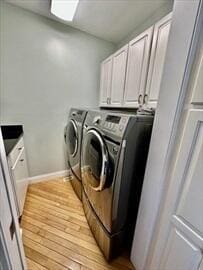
113, 119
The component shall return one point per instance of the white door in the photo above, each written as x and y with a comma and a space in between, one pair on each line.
118, 76
105, 81
10, 257
197, 97
201, 266
137, 68
159, 47
184, 223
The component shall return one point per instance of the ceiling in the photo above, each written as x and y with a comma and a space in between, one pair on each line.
111, 20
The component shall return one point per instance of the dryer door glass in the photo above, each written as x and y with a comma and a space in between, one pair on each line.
72, 138
95, 160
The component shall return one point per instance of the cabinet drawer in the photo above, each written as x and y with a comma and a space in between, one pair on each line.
20, 177
15, 152
19, 170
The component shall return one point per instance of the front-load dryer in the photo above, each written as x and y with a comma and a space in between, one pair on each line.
73, 139
114, 153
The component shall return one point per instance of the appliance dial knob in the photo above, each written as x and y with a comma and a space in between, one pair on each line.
115, 149
121, 127
97, 120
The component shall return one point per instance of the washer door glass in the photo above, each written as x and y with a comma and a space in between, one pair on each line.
95, 160
72, 138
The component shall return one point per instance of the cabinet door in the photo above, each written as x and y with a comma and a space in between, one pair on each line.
20, 176
183, 223
138, 59
118, 76
159, 47
16, 151
105, 81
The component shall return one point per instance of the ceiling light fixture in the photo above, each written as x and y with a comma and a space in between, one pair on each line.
64, 9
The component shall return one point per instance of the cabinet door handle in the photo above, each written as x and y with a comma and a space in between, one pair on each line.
20, 148
139, 99
108, 100
12, 229
21, 160
145, 98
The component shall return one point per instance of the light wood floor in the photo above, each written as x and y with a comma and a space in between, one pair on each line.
56, 235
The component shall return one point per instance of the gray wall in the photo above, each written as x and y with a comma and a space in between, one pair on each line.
160, 13
46, 68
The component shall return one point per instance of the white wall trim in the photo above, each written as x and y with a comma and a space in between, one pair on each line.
48, 176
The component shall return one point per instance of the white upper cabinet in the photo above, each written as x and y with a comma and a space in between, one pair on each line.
131, 77
118, 76
159, 47
105, 81
138, 58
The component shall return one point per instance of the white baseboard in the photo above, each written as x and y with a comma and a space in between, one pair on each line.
48, 176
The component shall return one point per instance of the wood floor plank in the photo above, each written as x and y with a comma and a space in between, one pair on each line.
55, 216
55, 223
56, 235
50, 254
82, 260
47, 199
119, 263
63, 193
71, 238
42, 260
31, 265
53, 197
33, 202
62, 189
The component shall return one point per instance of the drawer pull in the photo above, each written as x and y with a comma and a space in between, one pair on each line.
20, 148
139, 99
21, 160
12, 229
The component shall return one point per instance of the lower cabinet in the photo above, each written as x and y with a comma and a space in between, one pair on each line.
19, 174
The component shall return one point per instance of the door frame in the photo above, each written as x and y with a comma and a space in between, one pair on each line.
6, 181
180, 54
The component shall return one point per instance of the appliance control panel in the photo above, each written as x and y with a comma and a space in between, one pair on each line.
115, 124
111, 123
